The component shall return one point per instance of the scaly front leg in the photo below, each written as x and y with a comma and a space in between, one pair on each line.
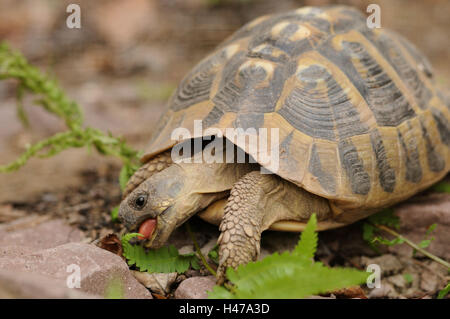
244, 220
255, 203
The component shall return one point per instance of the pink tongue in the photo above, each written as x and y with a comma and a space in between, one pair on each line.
146, 229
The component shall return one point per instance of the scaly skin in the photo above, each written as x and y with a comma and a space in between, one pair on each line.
155, 165
257, 201
241, 225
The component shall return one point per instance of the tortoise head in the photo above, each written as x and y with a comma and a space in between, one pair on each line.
152, 207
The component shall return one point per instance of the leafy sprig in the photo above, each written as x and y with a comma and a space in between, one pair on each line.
52, 98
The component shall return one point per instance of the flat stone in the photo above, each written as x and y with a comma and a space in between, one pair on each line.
18, 284
29, 234
429, 282
98, 269
195, 288
157, 282
398, 281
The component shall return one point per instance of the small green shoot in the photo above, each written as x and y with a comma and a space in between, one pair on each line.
444, 292
213, 254
408, 278
115, 214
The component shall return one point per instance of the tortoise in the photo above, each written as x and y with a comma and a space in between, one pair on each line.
361, 126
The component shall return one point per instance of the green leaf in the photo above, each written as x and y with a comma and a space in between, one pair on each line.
444, 292
124, 176
213, 254
408, 278
424, 243
162, 260
219, 292
431, 229
385, 217
308, 239
115, 214
442, 187
392, 242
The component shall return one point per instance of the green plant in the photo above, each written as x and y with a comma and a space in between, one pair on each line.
385, 221
213, 254
408, 278
115, 214
165, 259
52, 98
444, 292
288, 275
441, 187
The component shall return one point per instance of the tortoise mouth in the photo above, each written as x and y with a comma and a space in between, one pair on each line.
147, 228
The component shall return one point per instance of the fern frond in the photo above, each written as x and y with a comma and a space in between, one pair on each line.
308, 239
287, 276
162, 260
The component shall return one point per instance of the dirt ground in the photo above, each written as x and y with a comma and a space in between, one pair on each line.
121, 67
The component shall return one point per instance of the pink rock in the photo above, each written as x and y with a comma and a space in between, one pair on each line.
32, 233
195, 288
98, 269
17, 284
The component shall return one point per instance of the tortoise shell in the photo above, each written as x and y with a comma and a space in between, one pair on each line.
360, 121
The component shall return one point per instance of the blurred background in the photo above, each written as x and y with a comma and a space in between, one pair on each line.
128, 57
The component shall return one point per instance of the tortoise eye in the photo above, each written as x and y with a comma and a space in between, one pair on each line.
140, 201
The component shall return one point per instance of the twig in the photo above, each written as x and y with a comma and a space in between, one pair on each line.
197, 249
413, 245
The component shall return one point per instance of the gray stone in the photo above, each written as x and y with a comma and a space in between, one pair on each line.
98, 268
157, 282
195, 288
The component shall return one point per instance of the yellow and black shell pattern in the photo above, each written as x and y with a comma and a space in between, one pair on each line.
360, 120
